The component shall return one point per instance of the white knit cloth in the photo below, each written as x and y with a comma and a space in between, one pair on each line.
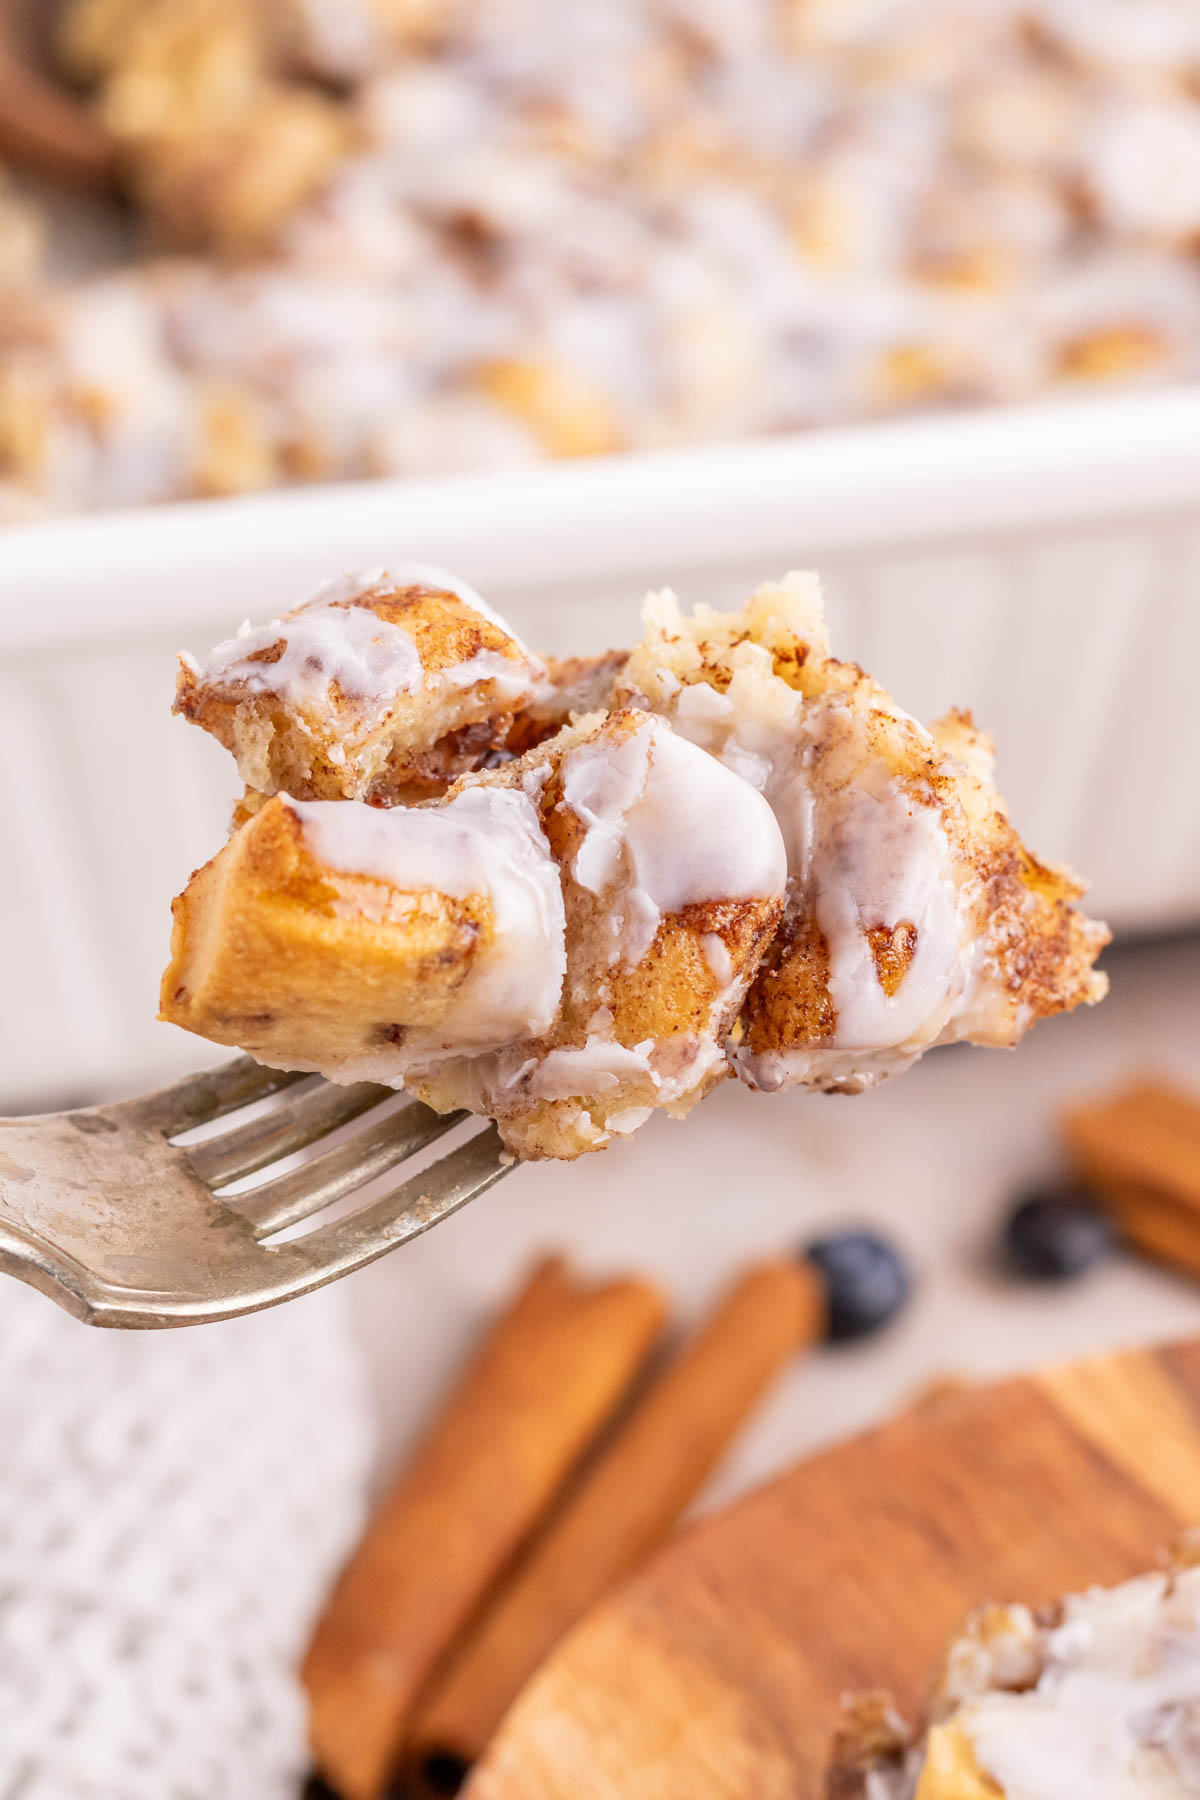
172, 1508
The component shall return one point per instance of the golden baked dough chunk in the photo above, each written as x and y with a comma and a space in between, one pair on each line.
673, 878
561, 944
569, 415
217, 147
233, 184
1096, 1696
199, 51
359, 941
381, 688
915, 914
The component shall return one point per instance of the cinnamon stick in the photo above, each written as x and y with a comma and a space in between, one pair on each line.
1140, 1151
624, 1504
1156, 1224
552, 1371
1148, 1135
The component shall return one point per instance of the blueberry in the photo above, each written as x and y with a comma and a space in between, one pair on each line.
866, 1281
1054, 1234
444, 1772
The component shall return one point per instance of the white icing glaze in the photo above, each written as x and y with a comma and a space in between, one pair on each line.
485, 841
755, 727
1115, 1714
371, 660
877, 856
340, 590
716, 955
819, 1066
863, 851
511, 681
1145, 168
670, 828
595, 1068
506, 1082
341, 38
628, 1119
683, 1064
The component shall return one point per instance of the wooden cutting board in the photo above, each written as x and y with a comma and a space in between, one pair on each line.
716, 1674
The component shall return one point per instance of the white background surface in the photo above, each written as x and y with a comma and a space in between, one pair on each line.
932, 1158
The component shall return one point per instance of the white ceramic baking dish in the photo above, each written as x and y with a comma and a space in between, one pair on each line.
1041, 566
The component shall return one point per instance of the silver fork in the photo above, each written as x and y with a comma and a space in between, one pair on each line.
120, 1225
